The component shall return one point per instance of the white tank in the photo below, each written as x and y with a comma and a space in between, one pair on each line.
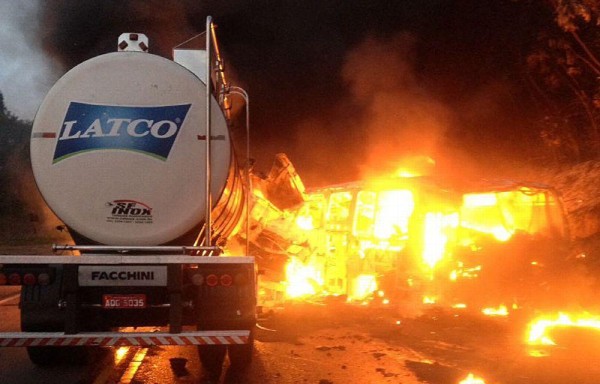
118, 150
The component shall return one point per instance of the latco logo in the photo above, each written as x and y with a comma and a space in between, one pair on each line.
148, 130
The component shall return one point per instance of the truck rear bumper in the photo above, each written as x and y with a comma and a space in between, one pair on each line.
118, 339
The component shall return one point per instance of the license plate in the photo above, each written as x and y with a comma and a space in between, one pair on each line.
124, 301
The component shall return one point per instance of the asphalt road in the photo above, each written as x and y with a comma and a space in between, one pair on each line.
340, 343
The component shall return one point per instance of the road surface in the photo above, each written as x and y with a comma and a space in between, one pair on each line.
338, 343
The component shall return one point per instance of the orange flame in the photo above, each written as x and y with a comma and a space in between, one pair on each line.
364, 285
305, 222
539, 329
393, 213
436, 237
502, 310
302, 280
472, 379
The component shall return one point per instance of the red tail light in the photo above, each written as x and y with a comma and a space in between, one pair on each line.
3, 279
226, 280
212, 280
29, 279
217, 278
14, 279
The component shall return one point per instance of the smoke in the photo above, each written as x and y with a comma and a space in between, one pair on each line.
401, 118
39, 221
74, 30
25, 73
345, 88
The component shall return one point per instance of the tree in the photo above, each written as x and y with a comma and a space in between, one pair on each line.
14, 163
565, 73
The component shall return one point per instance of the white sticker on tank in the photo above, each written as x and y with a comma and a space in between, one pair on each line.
132, 276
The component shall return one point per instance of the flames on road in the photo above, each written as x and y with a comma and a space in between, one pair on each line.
412, 242
472, 379
540, 330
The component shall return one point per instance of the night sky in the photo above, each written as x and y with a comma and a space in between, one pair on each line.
348, 88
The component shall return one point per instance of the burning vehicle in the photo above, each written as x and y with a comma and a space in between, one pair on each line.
414, 240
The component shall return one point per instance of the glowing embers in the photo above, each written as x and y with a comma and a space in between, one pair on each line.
539, 330
472, 379
500, 311
463, 272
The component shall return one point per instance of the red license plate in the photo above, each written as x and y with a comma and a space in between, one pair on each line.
124, 301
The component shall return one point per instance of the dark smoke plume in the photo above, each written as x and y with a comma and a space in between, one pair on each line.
338, 84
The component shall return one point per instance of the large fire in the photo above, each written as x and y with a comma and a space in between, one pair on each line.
402, 233
539, 330
302, 280
437, 229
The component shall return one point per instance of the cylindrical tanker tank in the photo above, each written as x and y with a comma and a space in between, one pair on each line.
118, 153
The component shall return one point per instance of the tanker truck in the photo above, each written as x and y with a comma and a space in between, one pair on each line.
133, 152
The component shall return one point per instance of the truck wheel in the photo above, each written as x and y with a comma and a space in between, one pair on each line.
40, 313
212, 358
240, 356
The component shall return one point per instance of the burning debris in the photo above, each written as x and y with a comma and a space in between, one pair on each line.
408, 239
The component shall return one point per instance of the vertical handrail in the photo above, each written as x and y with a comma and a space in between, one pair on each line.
223, 90
220, 79
240, 91
208, 234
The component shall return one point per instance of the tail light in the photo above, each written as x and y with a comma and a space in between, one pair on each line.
212, 280
36, 276
43, 278
226, 280
14, 279
29, 279
197, 279
218, 279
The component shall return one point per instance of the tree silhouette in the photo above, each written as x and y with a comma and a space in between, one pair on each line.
565, 68
14, 161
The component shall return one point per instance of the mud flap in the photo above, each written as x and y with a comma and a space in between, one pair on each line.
40, 312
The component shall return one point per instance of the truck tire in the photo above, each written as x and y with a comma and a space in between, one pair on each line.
212, 358
240, 356
40, 313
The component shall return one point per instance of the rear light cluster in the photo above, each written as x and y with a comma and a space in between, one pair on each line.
24, 278
218, 279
